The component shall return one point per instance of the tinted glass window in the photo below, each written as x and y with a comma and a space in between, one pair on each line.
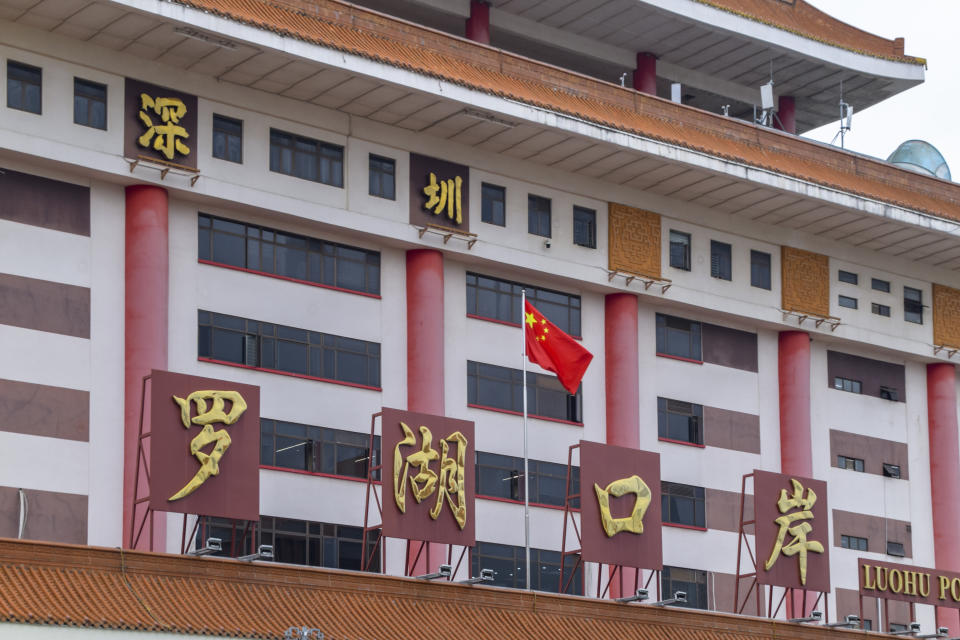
89, 103
498, 299
849, 277
306, 158
24, 83
880, 285
497, 387
848, 302
880, 309
227, 138
760, 269
678, 337
721, 261
316, 449
681, 421
538, 216
693, 582
510, 569
680, 250
493, 208
383, 177
501, 476
585, 227
913, 305
683, 504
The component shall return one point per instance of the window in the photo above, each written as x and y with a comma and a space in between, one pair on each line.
316, 449
880, 285
24, 86
848, 302
383, 177
538, 216
680, 250
683, 504
760, 269
494, 387
509, 567
853, 542
895, 549
846, 462
849, 277
888, 393
306, 158
846, 384
502, 477
256, 248
497, 299
880, 309
89, 103
913, 305
227, 138
720, 260
891, 470
680, 421
317, 544
585, 227
279, 348
693, 582
678, 337
493, 204
897, 627
866, 624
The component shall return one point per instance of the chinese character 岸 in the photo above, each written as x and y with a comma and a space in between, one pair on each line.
798, 545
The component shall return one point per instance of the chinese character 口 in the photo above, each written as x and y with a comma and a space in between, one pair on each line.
799, 545
632, 523
448, 483
166, 136
209, 463
448, 198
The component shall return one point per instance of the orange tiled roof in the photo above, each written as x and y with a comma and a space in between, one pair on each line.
803, 19
59, 584
346, 27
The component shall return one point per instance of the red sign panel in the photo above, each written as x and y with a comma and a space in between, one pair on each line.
204, 446
909, 584
428, 477
620, 520
792, 527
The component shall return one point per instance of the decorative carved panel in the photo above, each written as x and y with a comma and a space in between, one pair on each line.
806, 281
634, 240
946, 316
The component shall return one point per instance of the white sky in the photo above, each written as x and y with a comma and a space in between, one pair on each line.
930, 111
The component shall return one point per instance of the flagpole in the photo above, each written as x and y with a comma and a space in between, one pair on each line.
526, 463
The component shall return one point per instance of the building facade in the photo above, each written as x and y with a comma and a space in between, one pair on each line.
753, 300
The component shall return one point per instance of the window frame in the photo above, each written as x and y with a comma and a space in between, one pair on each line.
855, 543
849, 277
896, 549
328, 158
697, 598
316, 441
855, 386
540, 389
89, 99
488, 212
844, 462
17, 72
510, 486
377, 166
671, 495
882, 310
588, 218
680, 257
847, 302
757, 268
913, 307
721, 260
695, 339
537, 217
487, 554
878, 284
505, 296
218, 122
694, 417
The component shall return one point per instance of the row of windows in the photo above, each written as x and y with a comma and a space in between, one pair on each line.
856, 386
912, 298
498, 299
493, 210
860, 544
495, 387
890, 470
288, 349
257, 248
721, 259
25, 93
500, 476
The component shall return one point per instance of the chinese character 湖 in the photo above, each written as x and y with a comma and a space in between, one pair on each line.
798, 545
209, 462
632, 523
447, 484
444, 195
165, 136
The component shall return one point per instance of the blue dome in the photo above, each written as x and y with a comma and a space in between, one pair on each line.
921, 157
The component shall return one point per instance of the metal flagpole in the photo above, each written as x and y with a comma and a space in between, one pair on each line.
526, 463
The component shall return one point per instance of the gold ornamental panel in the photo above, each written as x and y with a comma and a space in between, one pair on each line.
634, 239
946, 316
805, 277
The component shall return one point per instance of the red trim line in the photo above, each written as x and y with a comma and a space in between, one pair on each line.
516, 325
287, 373
315, 474
683, 526
683, 442
680, 358
520, 413
520, 502
289, 279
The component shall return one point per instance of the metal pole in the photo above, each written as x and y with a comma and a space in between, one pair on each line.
526, 463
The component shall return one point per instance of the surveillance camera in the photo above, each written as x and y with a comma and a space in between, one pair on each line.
266, 551
547, 243
852, 619
943, 630
816, 615
643, 594
214, 544
486, 575
915, 627
680, 596
445, 570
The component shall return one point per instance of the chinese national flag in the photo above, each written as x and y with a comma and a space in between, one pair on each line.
554, 350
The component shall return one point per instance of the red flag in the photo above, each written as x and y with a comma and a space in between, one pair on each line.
554, 350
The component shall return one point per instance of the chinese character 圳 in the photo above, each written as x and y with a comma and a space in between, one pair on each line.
166, 135
798, 545
445, 194
632, 523
209, 463
448, 483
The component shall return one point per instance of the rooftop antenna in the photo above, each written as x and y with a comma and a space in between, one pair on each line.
846, 119
623, 79
768, 115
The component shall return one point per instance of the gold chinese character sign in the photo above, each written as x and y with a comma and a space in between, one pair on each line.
429, 471
204, 446
791, 531
439, 193
159, 123
620, 516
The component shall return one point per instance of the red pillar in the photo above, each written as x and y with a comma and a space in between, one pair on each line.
425, 359
478, 24
622, 374
796, 456
944, 475
645, 75
787, 114
146, 270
